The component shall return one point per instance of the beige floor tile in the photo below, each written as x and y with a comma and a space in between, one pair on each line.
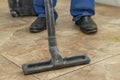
105, 70
9, 71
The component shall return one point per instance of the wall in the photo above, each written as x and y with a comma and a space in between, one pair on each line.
109, 2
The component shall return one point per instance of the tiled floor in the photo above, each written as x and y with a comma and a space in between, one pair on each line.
18, 46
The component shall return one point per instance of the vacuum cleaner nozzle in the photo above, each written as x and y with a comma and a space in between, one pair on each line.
36, 67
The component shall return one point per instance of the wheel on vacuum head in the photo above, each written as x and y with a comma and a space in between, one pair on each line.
14, 14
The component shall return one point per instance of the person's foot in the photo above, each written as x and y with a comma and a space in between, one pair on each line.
87, 25
38, 25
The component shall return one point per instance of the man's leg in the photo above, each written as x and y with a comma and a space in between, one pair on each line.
40, 23
82, 10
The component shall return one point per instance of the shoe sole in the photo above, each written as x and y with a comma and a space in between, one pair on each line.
89, 32
36, 31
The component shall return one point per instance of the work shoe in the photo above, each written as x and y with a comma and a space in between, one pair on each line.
87, 25
38, 25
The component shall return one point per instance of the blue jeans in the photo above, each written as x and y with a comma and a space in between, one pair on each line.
78, 9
